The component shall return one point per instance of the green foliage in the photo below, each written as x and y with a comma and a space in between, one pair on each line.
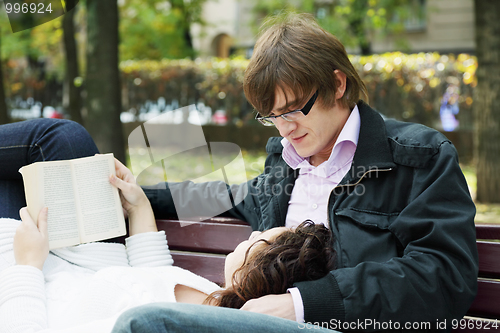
42, 43
156, 29
149, 29
354, 22
15, 45
181, 168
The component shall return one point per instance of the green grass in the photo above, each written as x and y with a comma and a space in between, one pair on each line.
485, 213
196, 166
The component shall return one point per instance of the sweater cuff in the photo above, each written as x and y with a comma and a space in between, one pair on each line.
322, 300
21, 280
149, 249
22, 299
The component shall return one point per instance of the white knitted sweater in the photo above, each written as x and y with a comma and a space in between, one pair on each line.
85, 288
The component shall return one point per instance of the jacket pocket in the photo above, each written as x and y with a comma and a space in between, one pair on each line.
365, 236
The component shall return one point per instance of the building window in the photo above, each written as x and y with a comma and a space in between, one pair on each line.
416, 19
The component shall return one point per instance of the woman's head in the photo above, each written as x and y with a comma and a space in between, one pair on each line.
273, 261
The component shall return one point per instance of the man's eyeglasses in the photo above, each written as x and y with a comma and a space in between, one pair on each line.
289, 116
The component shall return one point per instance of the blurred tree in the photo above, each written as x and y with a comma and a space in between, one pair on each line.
103, 102
71, 91
157, 29
4, 111
354, 22
487, 101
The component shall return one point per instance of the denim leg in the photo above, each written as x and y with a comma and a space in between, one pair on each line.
25, 142
179, 317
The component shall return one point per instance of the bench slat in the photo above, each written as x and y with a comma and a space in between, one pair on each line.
210, 266
489, 259
214, 237
487, 231
486, 303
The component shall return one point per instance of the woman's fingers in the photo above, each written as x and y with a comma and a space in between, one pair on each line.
31, 243
122, 185
25, 216
41, 224
42, 221
123, 172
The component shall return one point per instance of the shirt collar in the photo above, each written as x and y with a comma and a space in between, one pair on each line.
349, 133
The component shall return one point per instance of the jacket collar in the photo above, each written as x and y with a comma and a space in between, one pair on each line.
373, 151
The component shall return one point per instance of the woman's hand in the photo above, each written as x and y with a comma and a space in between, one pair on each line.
134, 200
31, 241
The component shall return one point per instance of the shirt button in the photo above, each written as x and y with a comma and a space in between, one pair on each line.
314, 206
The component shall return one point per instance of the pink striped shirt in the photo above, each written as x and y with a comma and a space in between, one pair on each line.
312, 188
309, 199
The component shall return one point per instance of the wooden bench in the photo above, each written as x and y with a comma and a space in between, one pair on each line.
485, 310
201, 247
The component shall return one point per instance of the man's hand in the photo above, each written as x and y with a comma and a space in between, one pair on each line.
274, 305
134, 200
31, 241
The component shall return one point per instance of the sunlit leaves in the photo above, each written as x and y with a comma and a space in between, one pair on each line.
155, 29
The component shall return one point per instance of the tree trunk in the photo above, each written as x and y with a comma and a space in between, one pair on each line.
180, 6
487, 101
103, 78
72, 98
357, 26
4, 111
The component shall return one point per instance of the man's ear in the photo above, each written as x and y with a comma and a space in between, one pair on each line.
341, 84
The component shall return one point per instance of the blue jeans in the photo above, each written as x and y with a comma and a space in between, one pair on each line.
179, 317
31, 141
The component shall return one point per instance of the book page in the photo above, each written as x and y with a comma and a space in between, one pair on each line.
101, 214
57, 193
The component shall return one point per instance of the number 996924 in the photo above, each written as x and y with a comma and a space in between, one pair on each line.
475, 324
25, 8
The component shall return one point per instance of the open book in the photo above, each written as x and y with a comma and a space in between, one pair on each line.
83, 205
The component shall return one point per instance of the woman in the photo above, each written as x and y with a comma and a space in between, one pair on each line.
85, 288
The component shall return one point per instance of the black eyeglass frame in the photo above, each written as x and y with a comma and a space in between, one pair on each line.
267, 121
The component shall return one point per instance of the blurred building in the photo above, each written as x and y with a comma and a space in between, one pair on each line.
445, 26
229, 29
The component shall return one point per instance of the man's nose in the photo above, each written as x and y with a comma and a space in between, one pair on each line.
285, 127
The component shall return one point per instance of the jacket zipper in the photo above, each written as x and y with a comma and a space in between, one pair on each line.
361, 178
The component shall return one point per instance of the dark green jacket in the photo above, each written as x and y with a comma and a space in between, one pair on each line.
403, 221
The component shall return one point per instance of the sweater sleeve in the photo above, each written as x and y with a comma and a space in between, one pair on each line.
149, 249
22, 300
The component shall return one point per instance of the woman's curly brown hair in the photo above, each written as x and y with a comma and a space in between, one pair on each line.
302, 254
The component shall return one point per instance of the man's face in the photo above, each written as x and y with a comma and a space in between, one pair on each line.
315, 134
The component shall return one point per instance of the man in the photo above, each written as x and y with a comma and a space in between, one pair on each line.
392, 193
